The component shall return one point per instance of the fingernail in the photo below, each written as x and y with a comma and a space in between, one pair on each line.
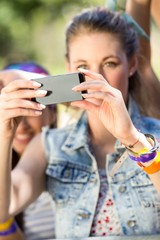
82, 69
75, 88
41, 92
41, 106
36, 84
85, 95
38, 113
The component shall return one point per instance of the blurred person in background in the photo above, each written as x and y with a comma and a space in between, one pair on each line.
141, 11
37, 221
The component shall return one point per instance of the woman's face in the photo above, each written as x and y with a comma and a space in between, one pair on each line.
101, 53
29, 127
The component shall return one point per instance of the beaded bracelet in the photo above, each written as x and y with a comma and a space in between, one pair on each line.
133, 144
145, 155
154, 167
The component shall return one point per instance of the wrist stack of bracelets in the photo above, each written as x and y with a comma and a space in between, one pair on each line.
146, 155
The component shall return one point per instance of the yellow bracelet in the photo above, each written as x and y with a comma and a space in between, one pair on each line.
157, 158
6, 225
144, 150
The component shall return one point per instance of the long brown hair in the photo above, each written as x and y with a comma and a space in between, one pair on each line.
15, 160
103, 20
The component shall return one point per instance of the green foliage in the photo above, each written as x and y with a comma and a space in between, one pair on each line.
34, 29
116, 5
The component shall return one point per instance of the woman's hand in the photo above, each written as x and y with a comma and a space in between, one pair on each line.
108, 104
15, 102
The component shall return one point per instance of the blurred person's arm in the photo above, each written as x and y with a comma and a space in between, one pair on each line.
21, 186
155, 11
24, 184
140, 11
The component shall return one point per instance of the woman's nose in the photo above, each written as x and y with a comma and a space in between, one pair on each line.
24, 124
97, 69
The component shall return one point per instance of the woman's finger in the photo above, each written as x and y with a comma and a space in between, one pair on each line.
23, 94
96, 85
91, 74
21, 103
21, 112
20, 84
86, 106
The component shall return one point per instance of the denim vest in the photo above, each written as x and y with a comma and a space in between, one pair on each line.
73, 181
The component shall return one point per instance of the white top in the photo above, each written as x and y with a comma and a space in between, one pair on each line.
39, 219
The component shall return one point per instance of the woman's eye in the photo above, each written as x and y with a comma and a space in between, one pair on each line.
110, 64
83, 66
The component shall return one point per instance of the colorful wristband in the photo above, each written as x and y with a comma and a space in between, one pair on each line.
4, 226
145, 155
154, 167
7, 228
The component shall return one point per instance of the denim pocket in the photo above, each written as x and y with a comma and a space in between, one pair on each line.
145, 191
68, 172
66, 181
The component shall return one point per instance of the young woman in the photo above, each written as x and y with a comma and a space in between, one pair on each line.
37, 220
75, 163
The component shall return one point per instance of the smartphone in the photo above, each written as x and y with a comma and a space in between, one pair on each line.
59, 88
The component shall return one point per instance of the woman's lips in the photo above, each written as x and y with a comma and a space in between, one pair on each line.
23, 138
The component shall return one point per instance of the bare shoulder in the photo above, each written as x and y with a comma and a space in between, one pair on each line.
34, 154
30, 171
